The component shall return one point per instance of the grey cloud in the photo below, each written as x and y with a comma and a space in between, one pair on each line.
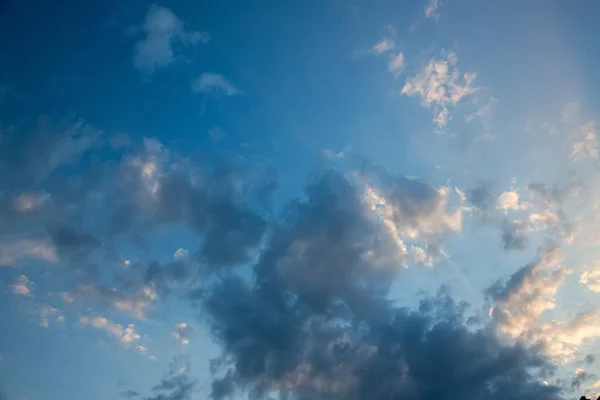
177, 384
130, 394
71, 243
315, 323
590, 359
513, 237
549, 195
409, 354
163, 31
482, 197
581, 378
39, 149
214, 200
211, 83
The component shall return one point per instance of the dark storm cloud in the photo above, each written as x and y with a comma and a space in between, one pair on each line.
315, 325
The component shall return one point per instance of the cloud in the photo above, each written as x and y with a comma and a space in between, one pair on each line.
482, 197
175, 385
27, 202
589, 359
396, 64
586, 145
513, 235
22, 286
182, 333
326, 355
431, 9
570, 114
136, 305
48, 314
383, 46
217, 133
162, 30
36, 150
591, 277
509, 201
125, 336
13, 250
439, 86
521, 302
212, 83
314, 321
386, 44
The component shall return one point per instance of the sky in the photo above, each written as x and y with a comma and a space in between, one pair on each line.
333, 199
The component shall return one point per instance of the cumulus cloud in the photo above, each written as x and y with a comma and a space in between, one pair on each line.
212, 83
48, 315
509, 201
527, 294
182, 333
136, 305
125, 336
590, 278
523, 299
22, 286
440, 86
319, 291
163, 31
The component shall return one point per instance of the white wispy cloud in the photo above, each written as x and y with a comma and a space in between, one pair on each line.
27, 202
386, 44
162, 29
439, 86
586, 144
431, 9
209, 82
383, 46
570, 113
396, 64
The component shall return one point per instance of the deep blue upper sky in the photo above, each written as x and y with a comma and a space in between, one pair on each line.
299, 199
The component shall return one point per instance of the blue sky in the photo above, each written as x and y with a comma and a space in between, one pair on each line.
299, 200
